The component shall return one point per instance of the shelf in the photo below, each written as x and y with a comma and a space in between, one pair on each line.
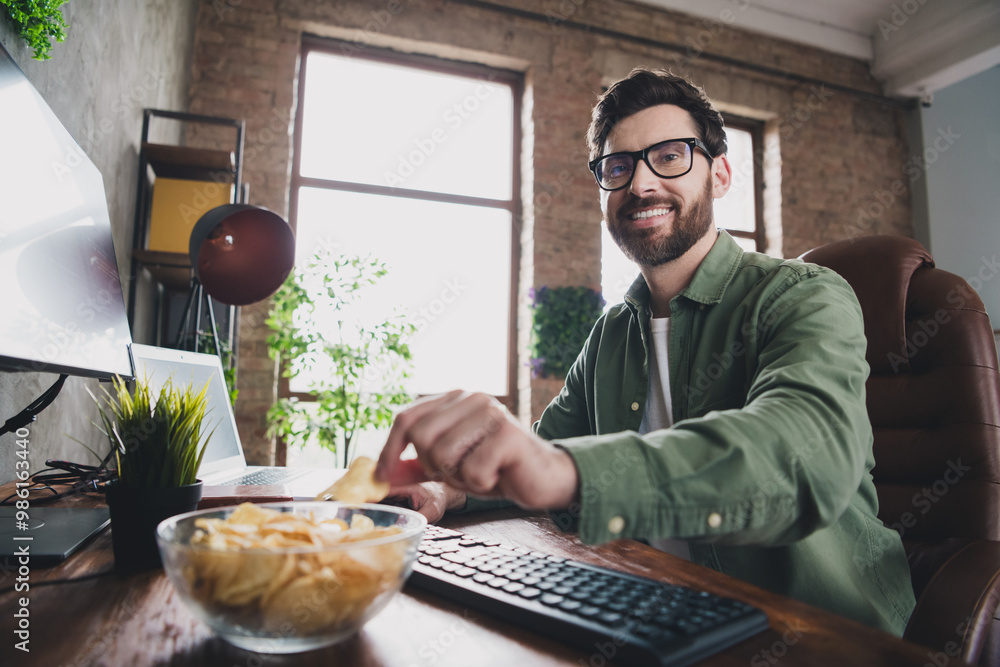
196, 164
172, 269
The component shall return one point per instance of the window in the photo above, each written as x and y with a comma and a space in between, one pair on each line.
740, 212
413, 161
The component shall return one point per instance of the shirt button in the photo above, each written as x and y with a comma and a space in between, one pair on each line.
701, 306
616, 525
635, 406
714, 520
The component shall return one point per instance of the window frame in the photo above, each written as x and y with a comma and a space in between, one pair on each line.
512, 205
755, 129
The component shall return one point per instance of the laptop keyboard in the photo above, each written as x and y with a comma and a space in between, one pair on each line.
268, 476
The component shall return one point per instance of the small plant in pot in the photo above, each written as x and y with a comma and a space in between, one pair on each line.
158, 447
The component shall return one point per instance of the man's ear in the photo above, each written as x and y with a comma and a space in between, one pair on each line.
722, 176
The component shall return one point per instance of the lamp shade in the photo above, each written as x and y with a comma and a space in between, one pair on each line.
241, 253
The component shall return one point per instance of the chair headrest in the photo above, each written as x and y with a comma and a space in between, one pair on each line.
879, 269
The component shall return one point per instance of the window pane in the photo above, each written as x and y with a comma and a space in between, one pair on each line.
737, 210
382, 124
449, 272
617, 271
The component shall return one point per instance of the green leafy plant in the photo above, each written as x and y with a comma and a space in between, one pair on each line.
562, 320
358, 369
38, 22
157, 443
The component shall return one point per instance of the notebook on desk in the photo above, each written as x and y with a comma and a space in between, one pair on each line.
224, 463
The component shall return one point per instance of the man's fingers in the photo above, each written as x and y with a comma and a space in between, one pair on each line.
446, 461
399, 436
406, 472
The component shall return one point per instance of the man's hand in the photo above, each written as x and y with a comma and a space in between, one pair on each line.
432, 499
471, 443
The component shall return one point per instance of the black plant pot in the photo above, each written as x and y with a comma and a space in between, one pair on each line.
135, 513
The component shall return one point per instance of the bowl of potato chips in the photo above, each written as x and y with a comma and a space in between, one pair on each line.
289, 577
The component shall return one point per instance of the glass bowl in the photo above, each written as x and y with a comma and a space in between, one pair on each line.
287, 599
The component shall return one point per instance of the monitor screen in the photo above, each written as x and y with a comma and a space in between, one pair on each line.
61, 303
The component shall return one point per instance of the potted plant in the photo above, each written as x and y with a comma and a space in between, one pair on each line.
359, 368
158, 447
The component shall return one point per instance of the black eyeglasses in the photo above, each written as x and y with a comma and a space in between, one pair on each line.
668, 159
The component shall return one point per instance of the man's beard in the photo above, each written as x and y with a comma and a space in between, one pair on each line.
688, 228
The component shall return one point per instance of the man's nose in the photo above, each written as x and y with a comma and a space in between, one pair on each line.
644, 180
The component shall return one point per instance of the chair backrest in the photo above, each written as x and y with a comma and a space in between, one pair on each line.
933, 394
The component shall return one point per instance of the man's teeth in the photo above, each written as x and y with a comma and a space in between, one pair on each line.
645, 215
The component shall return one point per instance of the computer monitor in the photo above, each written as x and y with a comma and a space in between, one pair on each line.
61, 303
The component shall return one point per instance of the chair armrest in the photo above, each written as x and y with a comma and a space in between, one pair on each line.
956, 613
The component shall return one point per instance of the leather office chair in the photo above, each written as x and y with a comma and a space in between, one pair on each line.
934, 403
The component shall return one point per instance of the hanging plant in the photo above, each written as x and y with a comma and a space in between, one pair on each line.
37, 22
563, 318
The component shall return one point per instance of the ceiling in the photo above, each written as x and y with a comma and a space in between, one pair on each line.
915, 47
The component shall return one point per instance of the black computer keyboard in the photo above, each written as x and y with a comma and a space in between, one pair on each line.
621, 618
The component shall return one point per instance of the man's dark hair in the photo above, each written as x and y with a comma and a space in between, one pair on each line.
644, 88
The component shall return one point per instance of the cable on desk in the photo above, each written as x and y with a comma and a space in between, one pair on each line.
83, 477
54, 582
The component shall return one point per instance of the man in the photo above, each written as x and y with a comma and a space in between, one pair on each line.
718, 413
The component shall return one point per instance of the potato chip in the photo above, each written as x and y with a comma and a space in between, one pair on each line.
358, 485
240, 574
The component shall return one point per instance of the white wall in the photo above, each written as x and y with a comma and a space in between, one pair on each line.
961, 144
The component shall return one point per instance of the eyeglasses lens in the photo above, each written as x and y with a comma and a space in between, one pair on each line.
669, 159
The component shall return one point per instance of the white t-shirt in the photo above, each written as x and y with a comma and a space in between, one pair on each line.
659, 410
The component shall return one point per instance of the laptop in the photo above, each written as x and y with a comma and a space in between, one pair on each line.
224, 463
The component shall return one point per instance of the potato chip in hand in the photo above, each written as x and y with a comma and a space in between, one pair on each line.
358, 485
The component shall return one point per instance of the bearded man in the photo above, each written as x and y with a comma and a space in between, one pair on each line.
718, 413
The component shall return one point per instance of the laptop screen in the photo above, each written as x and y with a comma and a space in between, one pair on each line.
156, 364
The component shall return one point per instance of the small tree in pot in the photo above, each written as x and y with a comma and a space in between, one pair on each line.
158, 447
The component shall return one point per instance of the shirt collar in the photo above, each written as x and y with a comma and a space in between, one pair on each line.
710, 279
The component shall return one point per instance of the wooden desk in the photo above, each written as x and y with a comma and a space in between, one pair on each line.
119, 620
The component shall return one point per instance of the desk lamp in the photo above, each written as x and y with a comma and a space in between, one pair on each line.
240, 254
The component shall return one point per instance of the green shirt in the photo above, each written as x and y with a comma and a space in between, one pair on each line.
766, 470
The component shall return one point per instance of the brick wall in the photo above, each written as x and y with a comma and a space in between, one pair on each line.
840, 151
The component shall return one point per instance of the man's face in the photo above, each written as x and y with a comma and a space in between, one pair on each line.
656, 220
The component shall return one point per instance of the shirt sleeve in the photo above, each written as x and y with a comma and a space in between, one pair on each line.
781, 467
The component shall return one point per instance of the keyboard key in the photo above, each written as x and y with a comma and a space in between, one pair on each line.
482, 577
514, 587
570, 605
611, 618
588, 611
465, 572
529, 593
551, 599
498, 582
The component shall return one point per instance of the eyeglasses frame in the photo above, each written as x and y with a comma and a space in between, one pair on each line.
643, 155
